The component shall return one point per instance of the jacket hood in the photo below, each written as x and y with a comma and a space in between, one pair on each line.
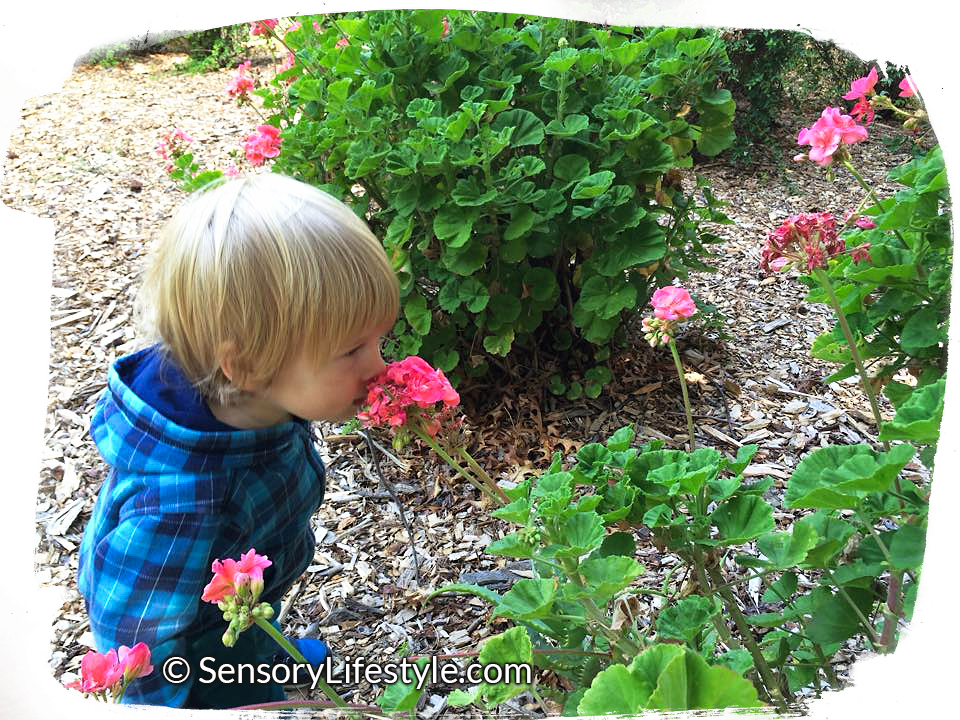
134, 437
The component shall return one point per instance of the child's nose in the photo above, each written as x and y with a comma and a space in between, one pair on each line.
377, 365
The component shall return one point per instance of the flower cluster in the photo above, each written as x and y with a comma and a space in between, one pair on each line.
172, 146
671, 304
235, 588
860, 90
827, 134
263, 27
808, 240
288, 63
111, 672
263, 144
241, 83
406, 389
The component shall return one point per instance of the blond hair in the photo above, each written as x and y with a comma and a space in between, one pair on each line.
258, 269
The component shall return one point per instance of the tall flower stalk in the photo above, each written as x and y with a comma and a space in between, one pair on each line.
411, 398
235, 589
672, 305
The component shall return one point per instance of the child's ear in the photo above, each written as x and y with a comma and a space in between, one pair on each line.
234, 370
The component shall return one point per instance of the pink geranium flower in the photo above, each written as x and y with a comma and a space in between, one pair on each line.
240, 84
230, 576
263, 144
828, 132
232, 171
100, 672
908, 88
259, 27
342, 43
294, 27
288, 63
672, 303
805, 240
135, 661
863, 86
406, 389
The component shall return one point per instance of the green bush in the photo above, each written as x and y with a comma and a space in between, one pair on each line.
215, 48
521, 171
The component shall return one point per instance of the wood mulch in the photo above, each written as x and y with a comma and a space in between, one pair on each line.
85, 157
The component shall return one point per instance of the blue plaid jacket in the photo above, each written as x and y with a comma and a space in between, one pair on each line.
175, 499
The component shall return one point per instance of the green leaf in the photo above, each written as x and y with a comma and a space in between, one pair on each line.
741, 519
615, 690
510, 647
782, 590
920, 330
523, 219
593, 185
560, 60
832, 534
686, 619
473, 294
907, 546
607, 576
398, 697
569, 169
786, 549
619, 544
919, 418
688, 683
606, 298
517, 512
834, 620
417, 313
453, 224
541, 283
528, 599
528, 129
840, 476
581, 533
571, 125
512, 545
499, 343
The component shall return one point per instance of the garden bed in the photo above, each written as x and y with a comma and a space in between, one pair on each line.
85, 158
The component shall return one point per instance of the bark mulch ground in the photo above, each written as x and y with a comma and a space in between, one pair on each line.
85, 157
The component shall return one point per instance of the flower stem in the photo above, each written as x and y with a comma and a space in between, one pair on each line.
780, 698
482, 474
873, 196
827, 286
435, 446
683, 389
288, 647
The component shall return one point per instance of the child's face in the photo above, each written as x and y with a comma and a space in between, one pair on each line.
335, 390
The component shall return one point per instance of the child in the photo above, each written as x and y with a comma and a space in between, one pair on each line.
269, 299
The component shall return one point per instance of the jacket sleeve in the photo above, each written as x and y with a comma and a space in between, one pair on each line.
148, 574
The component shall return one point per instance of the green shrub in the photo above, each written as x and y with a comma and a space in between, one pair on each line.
520, 170
215, 48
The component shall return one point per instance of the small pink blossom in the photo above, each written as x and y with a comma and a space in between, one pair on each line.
288, 63
865, 224
672, 303
259, 27
240, 84
232, 171
863, 86
135, 661
294, 27
230, 576
172, 146
342, 43
908, 88
264, 143
446, 27
100, 672
861, 254
863, 111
